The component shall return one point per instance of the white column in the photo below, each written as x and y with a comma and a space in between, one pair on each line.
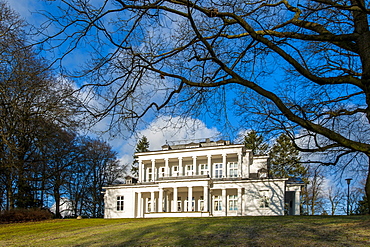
209, 161
194, 165
153, 170
152, 209
181, 170
240, 171
139, 206
160, 200
166, 206
190, 198
142, 209
205, 198
224, 202
140, 171
297, 202
240, 201
166, 170
224, 165
174, 208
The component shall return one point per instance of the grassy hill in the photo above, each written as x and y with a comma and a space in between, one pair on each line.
225, 231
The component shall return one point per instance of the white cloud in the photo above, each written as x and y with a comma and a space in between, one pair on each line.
165, 129
172, 129
27, 9
23, 7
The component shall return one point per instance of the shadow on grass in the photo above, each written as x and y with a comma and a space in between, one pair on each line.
236, 231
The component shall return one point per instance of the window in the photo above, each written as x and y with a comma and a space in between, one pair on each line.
203, 169
175, 171
218, 170
217, 202
201, 203
233, 202
189, 170
150, 174
162, 172
186, 204
149, 205
120, 203
233, 169
179, 207
264, 199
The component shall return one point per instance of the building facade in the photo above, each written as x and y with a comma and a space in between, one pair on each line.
200, 180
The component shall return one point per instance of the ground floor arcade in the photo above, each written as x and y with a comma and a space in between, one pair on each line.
201, 197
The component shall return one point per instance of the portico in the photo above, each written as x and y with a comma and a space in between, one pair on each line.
173, 197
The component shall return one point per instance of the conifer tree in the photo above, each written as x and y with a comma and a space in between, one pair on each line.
255, 142
141, 146
285, 160
362, 206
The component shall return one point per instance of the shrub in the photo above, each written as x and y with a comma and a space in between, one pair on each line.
25, 215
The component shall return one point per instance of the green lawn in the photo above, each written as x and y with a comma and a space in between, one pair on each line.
225, 231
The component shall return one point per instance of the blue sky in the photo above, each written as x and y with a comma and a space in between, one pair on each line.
158, 130
179, 129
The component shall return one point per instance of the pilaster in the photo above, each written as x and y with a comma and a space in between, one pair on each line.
224, 202
209, 161
240, 202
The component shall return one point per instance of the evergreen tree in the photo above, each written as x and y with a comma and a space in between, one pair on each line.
362, 206
141, 146
285, 160
255, 142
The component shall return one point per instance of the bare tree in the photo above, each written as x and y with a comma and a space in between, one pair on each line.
313, 194
100, 168
335, 198
32, 103
305, 63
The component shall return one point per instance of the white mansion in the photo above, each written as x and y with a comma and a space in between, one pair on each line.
199, 180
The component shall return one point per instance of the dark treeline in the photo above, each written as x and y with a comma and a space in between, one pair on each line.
42, 157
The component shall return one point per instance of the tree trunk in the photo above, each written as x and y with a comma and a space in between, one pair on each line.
367, 185
57, 204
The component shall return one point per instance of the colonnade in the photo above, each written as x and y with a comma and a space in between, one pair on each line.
180, 163
198, 198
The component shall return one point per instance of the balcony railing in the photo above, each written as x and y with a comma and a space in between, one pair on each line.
183, 177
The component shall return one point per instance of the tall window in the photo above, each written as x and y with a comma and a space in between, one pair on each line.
162, 172
150, 174
233, 169
201, 203
175, 171
189, 170
120, 203
218, 170
179, 207
149, 205
186, 204
217, 202
204, 169
233, 202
